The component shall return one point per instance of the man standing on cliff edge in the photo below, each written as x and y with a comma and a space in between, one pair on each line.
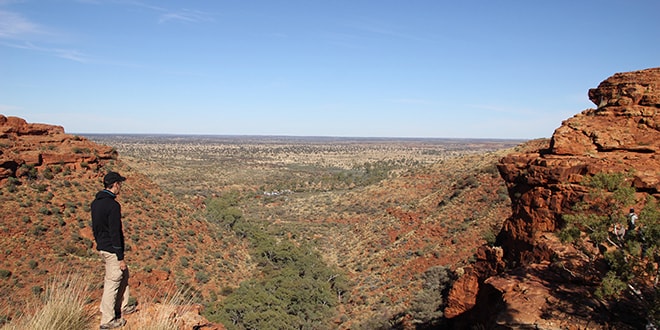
109, 236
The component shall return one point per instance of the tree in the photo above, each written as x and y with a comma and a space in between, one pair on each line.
223, 210
429, 303
295, 290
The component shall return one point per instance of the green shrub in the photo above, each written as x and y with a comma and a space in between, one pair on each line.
37, 290
48, 174
202, 276
78, 150
191, 248
12, 184
611, 286
4, 273
38, 230
226, 290
632, 261
490, 236
428, 305
29, 171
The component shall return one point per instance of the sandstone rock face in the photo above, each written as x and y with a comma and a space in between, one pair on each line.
24, 146
463, 294
19, 126
621, 135
545, 179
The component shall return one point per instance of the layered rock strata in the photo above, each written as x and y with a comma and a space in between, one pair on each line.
26, 146
546, 285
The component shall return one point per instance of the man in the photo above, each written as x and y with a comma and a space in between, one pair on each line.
107, 227
632, 225
619, 232
632, 220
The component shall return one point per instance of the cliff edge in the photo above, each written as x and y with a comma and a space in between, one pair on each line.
31, 146
536, 280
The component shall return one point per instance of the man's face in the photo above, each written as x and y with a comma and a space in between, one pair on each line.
117, 187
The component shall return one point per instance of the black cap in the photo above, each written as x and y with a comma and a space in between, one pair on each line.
111, 178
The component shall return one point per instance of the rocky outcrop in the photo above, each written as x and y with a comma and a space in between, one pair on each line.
621, 135
19, 127
489, 262
545, 179
27, 147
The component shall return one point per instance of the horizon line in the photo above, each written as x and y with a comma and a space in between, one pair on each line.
304, 136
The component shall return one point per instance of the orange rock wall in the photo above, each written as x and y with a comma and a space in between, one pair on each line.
42, 145
544, 180
621, 135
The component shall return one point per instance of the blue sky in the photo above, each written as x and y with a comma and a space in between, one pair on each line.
378, 68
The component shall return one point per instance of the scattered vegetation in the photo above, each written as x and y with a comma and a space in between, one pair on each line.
632, 257
311, 214
297, 290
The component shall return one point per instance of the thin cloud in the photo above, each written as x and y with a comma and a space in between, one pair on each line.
380, 29
165, 14
15, 26
139, 4
18, 32
119, 2
185, 15
69, 54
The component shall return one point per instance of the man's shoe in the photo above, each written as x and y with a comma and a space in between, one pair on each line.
116, 323
129, 310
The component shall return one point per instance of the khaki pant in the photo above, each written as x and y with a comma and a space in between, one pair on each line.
115, 288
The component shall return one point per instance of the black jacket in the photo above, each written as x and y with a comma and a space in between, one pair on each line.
106, 224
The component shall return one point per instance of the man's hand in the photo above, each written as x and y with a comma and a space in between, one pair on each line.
122, 265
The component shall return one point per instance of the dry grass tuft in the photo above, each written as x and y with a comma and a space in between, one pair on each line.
173, 313
63, 307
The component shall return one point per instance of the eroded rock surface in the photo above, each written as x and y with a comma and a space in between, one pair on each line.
547, 285
25, 146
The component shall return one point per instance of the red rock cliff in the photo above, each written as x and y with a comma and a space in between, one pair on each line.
621, 135
25, 145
